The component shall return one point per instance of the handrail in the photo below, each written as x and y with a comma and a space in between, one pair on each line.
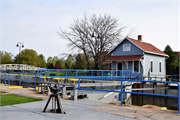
122, 80
175, 77
76, 73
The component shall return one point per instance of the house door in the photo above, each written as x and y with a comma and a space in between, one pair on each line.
119, 65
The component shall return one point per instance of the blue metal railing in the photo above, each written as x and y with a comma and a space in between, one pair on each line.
104, 75
76, 73
122, 82
3, 76
175, 77
27, 77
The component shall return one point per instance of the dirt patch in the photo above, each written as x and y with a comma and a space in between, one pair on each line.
27, 92
140, 113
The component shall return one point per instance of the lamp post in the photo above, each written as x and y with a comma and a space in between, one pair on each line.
98, 37
19, 44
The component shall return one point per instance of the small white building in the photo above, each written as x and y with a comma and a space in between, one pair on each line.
136, 55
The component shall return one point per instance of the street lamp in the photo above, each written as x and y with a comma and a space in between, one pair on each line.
96, 37
19, 44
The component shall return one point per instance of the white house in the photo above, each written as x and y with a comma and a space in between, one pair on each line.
136, 55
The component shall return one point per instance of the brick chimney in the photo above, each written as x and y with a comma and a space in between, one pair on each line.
140, 38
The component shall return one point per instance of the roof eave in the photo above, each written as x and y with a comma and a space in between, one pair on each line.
121, 60
126, 60
156, 53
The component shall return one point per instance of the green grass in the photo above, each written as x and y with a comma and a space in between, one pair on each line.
3, 92
69, 74
10, 99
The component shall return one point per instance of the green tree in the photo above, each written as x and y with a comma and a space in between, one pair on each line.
41, 61
52, 61
6, 58
70, 62
49, 59
49, 64
61, 62
29, 57
172, 61
80, 61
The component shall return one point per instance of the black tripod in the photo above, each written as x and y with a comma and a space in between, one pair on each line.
54, 90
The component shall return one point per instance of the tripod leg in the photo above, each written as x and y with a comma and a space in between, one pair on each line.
60, 104
47, 103
55, 104
52, 103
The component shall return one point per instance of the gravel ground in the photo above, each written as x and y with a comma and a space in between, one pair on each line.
148, 112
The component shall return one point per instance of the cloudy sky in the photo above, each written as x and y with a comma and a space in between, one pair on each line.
35, 22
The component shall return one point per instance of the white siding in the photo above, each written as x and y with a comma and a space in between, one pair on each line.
156, 59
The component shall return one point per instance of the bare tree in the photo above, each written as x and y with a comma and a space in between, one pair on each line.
93, 35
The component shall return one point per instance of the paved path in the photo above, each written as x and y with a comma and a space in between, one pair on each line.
75, 110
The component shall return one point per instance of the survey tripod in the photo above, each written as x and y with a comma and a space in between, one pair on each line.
57, 100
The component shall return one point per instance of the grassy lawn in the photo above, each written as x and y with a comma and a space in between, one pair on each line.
3, 92
69, 73
10, 99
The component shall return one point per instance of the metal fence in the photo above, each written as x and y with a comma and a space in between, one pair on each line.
123, 81
20, 77
75, 73
175, 77
3, 77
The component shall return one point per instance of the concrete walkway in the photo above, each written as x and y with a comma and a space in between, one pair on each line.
84, 109
75, 110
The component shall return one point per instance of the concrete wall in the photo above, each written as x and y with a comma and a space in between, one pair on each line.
170, 103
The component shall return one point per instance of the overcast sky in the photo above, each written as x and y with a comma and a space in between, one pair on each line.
35, 22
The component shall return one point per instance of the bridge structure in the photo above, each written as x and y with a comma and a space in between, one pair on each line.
5, 67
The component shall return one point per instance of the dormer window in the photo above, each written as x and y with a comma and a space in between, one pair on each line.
126, 47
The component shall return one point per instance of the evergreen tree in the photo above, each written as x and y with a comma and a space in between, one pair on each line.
172, 61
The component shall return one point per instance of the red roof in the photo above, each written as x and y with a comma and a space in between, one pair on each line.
147, 47
127, 57
178, 53
105, 62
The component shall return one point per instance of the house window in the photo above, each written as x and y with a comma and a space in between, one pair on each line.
126, 47
151, 65
160, 66
136, 66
